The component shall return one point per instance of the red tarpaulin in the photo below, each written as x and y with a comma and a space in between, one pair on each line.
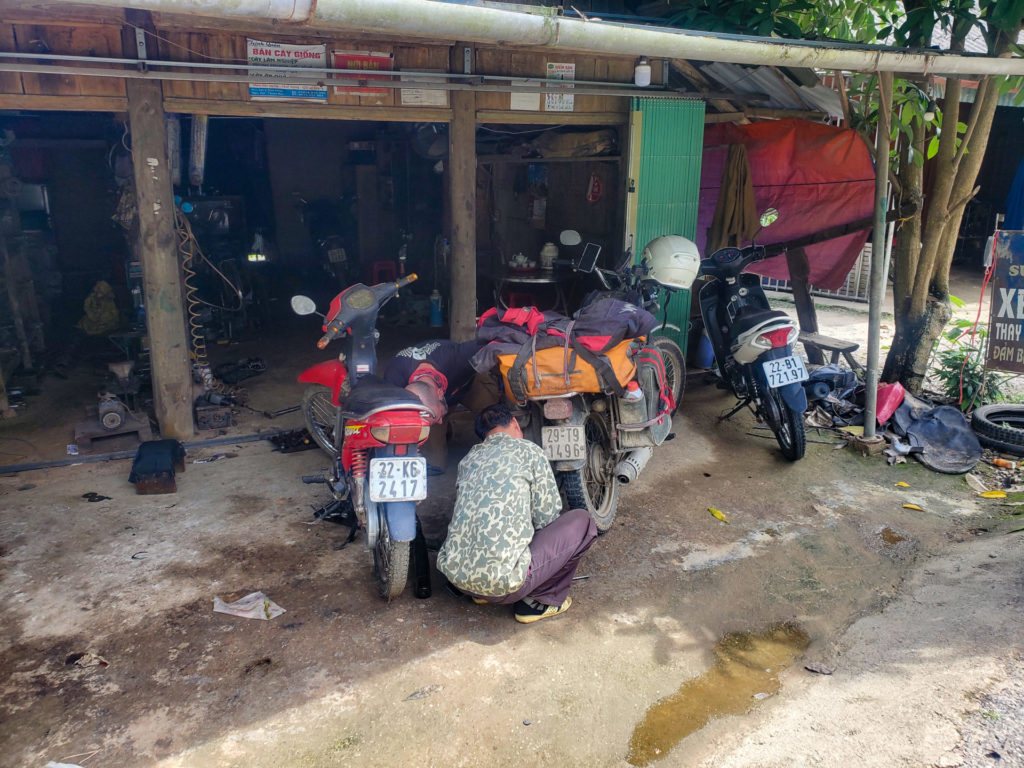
817, 176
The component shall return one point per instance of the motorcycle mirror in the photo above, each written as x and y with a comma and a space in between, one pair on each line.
303, 305
769, 217
570, 237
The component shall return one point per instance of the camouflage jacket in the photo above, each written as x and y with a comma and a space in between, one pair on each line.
506, 490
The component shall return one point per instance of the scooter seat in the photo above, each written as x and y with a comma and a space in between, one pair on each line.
374, 394
747, 321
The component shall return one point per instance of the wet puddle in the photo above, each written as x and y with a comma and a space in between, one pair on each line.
891, 538
746, 670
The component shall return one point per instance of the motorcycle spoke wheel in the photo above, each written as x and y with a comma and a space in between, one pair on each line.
320, 415
675, 366
595, 487
788, 427
390, 560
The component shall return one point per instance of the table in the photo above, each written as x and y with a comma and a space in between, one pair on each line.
516, 289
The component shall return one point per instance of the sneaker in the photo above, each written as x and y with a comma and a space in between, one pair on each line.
528, 611
480, 600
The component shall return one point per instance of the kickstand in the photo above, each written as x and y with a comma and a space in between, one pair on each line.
340, 512
735, 410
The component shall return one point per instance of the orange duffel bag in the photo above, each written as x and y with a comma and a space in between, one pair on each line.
568, 368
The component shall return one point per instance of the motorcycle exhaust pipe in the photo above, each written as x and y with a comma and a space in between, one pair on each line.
630, 467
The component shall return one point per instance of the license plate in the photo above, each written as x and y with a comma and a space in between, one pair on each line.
563, 443
784, 370
398, 479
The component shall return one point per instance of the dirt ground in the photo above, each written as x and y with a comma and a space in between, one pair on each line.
917, 614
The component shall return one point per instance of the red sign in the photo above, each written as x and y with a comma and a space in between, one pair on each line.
594, 189
364, 61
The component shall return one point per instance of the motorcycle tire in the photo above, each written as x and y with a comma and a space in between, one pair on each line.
390, 561
594, 487
675, 366
320, 415
788, 427
1000, 427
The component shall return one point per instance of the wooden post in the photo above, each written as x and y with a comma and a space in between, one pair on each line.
462, 173
799, 271
156, 245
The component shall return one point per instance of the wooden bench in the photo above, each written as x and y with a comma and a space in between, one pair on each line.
835, 347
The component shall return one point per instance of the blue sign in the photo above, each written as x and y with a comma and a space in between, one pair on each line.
1006, 315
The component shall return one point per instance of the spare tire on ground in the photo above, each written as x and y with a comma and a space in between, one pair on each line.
1000, 427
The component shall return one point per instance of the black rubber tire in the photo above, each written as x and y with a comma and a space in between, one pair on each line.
675, 366
595, 487
390, 562
319, 414
788, 427
995, 426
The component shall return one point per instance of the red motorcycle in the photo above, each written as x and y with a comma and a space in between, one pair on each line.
376, 467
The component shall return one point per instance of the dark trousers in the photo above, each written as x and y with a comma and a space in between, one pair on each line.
555, 552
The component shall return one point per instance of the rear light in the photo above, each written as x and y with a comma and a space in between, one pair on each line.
400, 433
780, 337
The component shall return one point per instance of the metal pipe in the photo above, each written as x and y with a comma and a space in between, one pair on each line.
877, 291
495, 26
632, 465
619, 89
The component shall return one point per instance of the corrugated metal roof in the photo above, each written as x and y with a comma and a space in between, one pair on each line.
782, 91
967, 94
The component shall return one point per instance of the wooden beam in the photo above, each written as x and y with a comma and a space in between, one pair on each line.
555, 118
799, 272
725, 117
41, 13
462, 173
784, 114
701, 83
156, 246
306, 111
25, 101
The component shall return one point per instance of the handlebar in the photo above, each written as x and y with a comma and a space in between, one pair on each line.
382, 291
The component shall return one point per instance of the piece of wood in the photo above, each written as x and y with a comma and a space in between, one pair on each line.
307, 111
156, 247
556, 118
462, 171
18, 101
785, 114
817, 343
14, 298
10, 82
799, 272
701, 83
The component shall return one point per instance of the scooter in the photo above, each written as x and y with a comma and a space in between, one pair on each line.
376, 467
331, 230
753, 344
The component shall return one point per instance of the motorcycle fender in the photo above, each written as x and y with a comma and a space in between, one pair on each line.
579, 413
401, 516
330, 373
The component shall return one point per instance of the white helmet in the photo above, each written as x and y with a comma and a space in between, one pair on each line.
672, 261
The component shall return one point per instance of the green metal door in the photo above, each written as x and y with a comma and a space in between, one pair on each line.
666, 139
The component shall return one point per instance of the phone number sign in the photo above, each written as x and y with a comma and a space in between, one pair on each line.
1006, 315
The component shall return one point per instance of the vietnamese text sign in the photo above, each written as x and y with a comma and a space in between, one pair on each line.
560, 102
1006, 315
262, 53
364, 61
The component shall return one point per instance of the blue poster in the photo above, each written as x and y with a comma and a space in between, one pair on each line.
1006, 314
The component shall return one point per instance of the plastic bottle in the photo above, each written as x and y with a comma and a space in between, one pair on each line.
633, 391
436, 317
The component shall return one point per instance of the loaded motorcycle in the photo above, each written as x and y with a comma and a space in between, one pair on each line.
376, 468
753, 344
598, 438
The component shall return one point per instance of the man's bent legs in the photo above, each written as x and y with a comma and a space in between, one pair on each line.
555, 553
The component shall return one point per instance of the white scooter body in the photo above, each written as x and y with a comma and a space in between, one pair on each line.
745, 351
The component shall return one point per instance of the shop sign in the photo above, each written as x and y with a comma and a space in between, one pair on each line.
560, 102
263, 54
364, 61
1006, 314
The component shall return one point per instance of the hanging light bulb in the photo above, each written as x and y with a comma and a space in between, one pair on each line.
929, 111
642, 73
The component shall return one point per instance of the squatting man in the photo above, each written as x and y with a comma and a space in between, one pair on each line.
508, 542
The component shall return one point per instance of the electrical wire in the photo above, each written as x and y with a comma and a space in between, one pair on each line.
974, 328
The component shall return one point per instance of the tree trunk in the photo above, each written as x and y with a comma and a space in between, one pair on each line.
911, 348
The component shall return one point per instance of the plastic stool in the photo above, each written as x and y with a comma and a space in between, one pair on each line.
385, 271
